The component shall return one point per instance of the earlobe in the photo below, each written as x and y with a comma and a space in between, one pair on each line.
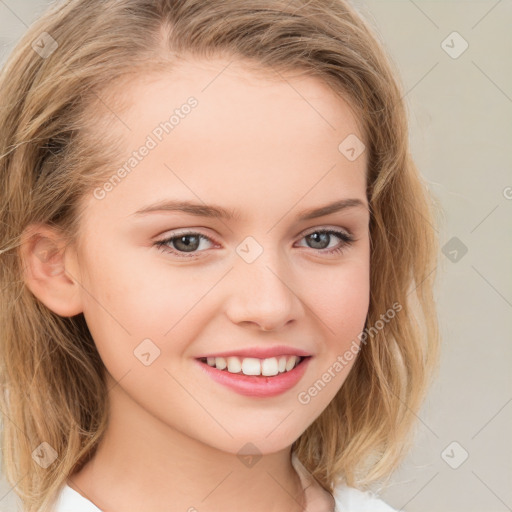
44, 255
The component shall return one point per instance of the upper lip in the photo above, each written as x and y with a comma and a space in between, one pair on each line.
260, 352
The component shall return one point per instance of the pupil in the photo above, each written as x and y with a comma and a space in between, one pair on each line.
188, 247
316, 236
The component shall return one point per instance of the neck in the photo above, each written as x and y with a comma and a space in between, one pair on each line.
143, 464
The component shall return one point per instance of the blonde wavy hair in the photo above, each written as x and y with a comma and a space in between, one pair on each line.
54, 150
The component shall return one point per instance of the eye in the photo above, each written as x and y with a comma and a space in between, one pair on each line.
180, 245
321, 238
187, 244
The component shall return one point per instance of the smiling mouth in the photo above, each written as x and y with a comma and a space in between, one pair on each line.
253, 366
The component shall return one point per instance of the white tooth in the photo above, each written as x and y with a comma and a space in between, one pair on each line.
234, 365
290, 363
220, 363
251, 366
282, 364
210, 361
269, 367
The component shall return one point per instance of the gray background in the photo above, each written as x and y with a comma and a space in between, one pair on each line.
460, 112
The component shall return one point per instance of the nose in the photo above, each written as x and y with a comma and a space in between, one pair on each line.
262, 293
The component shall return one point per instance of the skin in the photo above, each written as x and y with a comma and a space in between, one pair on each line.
268, 148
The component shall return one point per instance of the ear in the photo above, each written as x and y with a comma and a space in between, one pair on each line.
50, 269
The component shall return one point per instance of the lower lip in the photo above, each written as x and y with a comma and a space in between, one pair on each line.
254, 385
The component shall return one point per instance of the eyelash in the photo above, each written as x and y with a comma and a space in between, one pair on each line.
347, 241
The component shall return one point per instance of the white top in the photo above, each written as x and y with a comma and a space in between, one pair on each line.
346, 499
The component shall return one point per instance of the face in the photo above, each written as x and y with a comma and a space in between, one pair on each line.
163, 287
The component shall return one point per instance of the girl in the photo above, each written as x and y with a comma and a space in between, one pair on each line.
217, 259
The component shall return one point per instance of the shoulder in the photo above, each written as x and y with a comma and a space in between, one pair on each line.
70, 500
349, 499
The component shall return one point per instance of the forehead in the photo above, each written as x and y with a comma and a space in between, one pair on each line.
232, 91
251, 135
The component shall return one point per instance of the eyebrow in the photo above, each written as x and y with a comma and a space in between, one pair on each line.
218, 212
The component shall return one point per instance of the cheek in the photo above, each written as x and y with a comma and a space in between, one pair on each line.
138, 297
128, 285
341, 310
342, 303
